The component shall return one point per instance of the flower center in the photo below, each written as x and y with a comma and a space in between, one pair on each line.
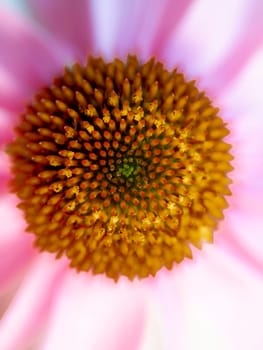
127, 168
121, 166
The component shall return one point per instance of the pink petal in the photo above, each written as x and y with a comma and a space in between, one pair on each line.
11, 218
243, 101
220, 305
28, 311
153, 339
245, 234
107, 16
7, 122
15, 5
15, 257
123, 27
12, 94
205, 37
28, 59
95, 313
69, 21
243, 107
4, 172
6, 296
251, 39
164, 300
169, 15
15, 246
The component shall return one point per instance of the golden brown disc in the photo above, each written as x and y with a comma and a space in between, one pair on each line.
121, 166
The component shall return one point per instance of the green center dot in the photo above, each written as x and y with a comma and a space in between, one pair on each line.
127, 169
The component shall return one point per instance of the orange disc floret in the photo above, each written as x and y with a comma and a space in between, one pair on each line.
121, 166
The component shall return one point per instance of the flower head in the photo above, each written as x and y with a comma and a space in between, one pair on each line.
121, 166
131, 148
